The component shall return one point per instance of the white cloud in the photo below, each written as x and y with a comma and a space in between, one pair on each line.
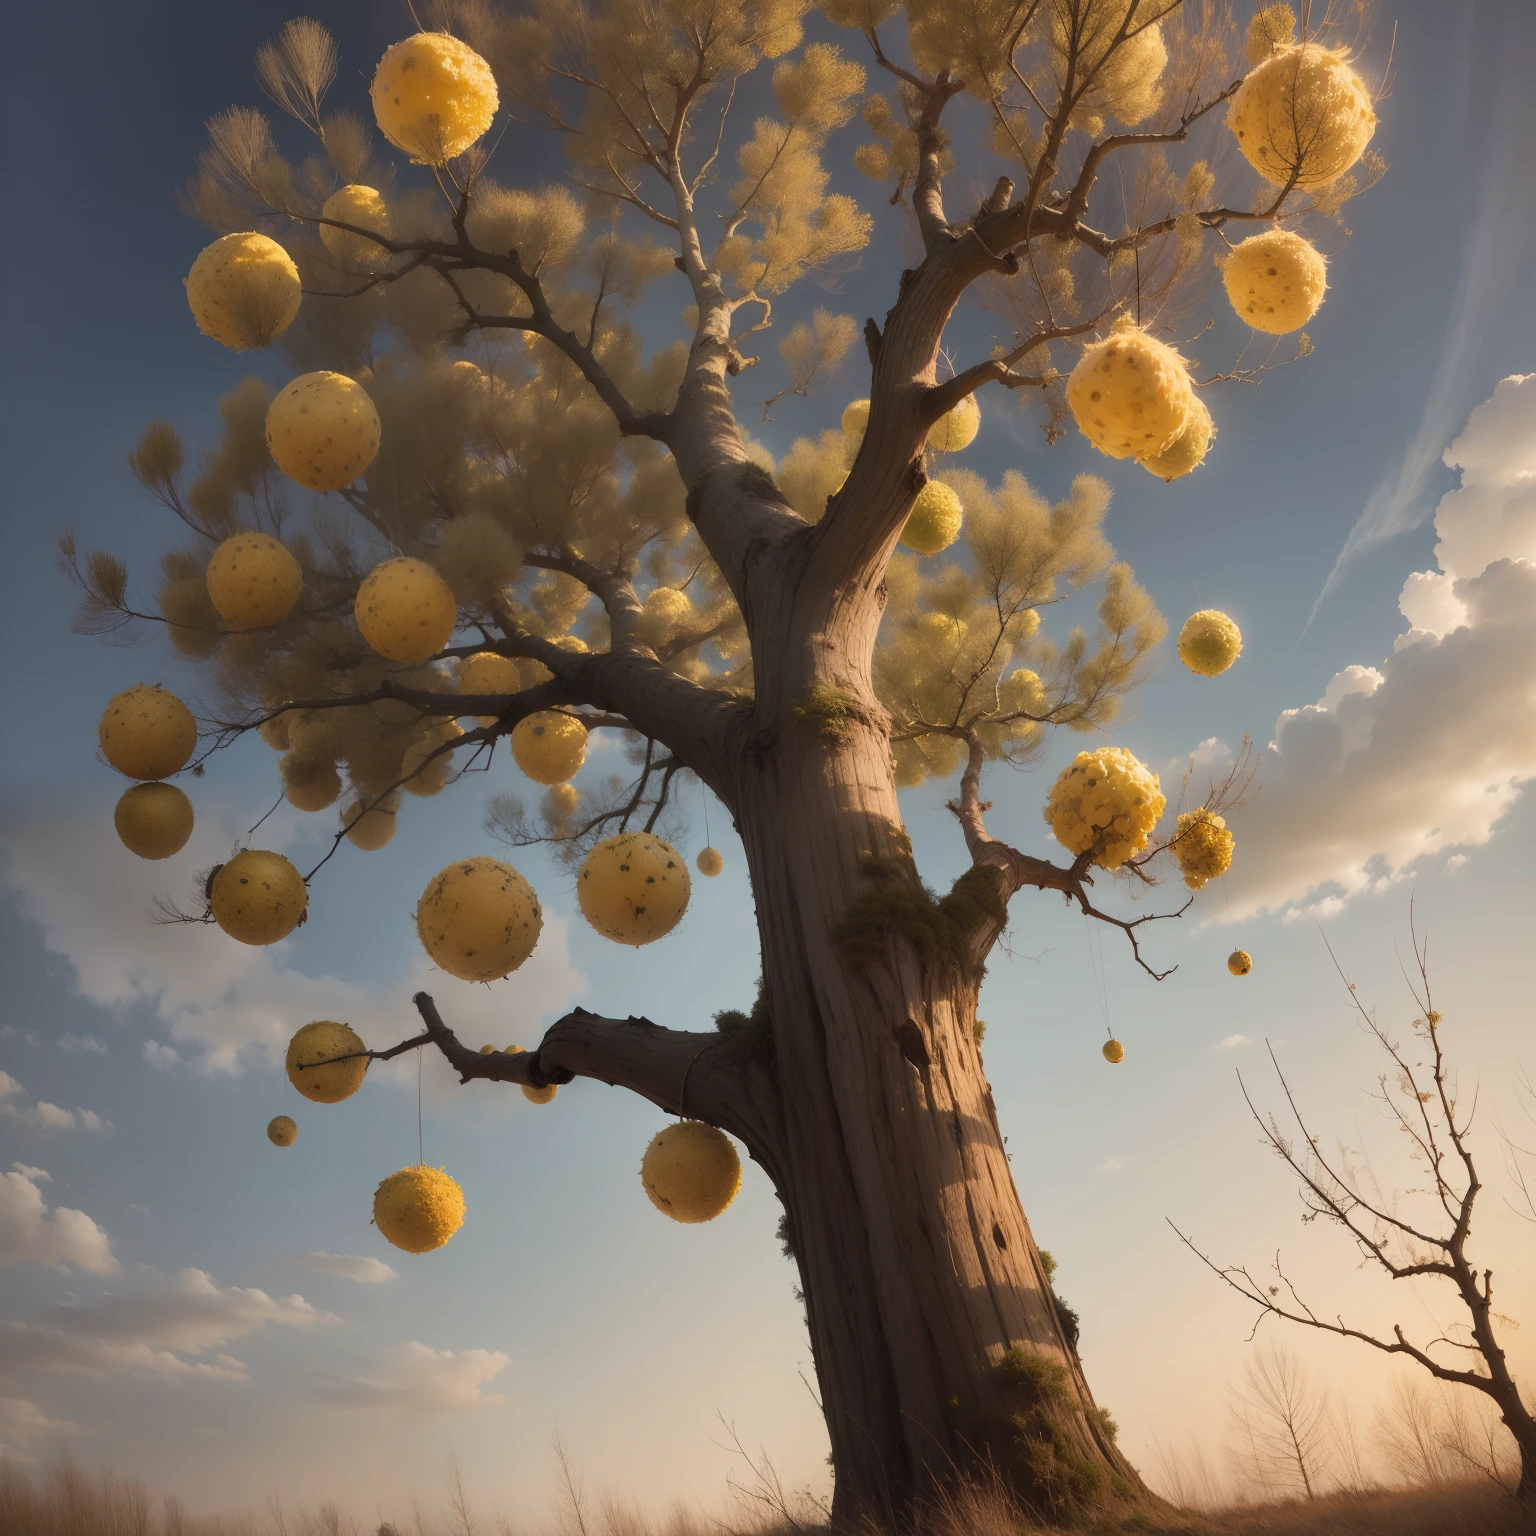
23, 1423
350, 1266
37, 1175
161, 1057
1232, 1042
163, 1330
82, 1044
51, 1115
1111, 1165
430, 1382
32, 1234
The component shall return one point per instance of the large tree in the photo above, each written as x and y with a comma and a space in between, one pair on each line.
621, 551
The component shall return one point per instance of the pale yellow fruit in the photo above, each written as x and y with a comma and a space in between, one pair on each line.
258, 897
418, 1208
1209, 642
1303, 116
1239, 962
308, 784
313, 1067
956, 428
244, 290
1203, 847
1188, 450
1130, 394
486, 672
549, 747
855, 421
1114, 1052
370, 827
363, 207
1275, 280
146, 732
429, 778
479, 919
153, 820
281, 1131
934, 521
323, 430
405, 610
253, 581
709, 862
433, 96
1106, 804
560, 801
633, 888
544, 1095
275, 732
691, 1171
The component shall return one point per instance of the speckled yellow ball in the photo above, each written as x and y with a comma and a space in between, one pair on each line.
146, 732
1114, 1052
1303, 116
956, 428
308, 784
855, 422
313, 1067
323, 430
405, 610
1106, 804
1209, 642
1203, 847
549, 747
433, 96
253, 581
934, 521
633, 888
1188, 450
281, 1131
1239, 962
153, 820
1275, 280
709, 862
486, 672
361, 206
479, 919
1130, 393
258, 897
418, 1208
244, 290
691, 1171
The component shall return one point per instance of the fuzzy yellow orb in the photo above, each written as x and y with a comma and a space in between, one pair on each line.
1106, 803
405, 610
1276, 281
956, 428
560, 801
429, 778
1303, 116
486, 672
934, 521
544, 1095
709, 862
153, 820
370, 827
258, 897
1239, 962
313, 1067
418, 1208
275, 732
1209, 642
253, 581
309, 785
633, 888
691, 1171
1114, 1052
479, 919
549, 747
1130, 393
667, 611
146, 732
243, 291
363, 207
855, 421
1203, 847
433, 96
281, 1131
1188, 450
323, 430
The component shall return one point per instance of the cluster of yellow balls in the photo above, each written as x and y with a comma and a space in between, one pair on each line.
147, 733
1203, 847
1105, 804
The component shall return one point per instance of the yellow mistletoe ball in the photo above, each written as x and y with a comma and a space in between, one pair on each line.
1188, 450
486, 672
1203, 847
243, 291
405, 610
1239, 962
1130, 394
633, 888
370, 827
1114, 1052
418, 1208
309, 785
424, 777
666, 612
1303, 116
323, 430
146, 732
365, 208
934, 521
856, 419
544, 1095
956, 428
153, 820
281, 1131
1106, 803
257, 897
549, 747
313, 1066
479, 919
560, 801
433, 96
253, 581
1276, 281
709, 862
1209, 642
691, 1171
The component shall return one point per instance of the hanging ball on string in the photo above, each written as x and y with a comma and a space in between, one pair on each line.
1114, 1052
709, 862
1239, 962
281, 1131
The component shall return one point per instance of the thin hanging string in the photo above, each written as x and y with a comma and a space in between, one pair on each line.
421, 1146
1095, 966
682, 1092
704, 791
1098, 941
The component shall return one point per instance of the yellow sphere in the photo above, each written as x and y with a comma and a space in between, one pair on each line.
405, 610
370, 827
549, 747
544, 1095
153, 820
275, 732
253, 581
1114, 1052
312, 1065
258, 897
1106, 803
244, 290
1209, 642
1302, 117
691, 1171
667, 611
323, 430
1130, 394
560, 801
934, 521
1239, 962
418, 1208
479, 919
146, 732
433, 96
281, 1131
191, 621
633, 888
429, 778
1276, 281
1188, 450
856, 419
956, 428
309, 785
709, 862
1203, 847
362, 206
486, 672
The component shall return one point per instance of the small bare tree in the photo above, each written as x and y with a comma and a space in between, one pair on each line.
1421, 1100
1282, 1421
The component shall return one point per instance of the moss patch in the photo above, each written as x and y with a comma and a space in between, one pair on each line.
829, 711
1062, 1481
754, 480
748, 1035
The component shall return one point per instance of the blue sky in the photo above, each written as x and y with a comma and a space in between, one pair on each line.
566, 1303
